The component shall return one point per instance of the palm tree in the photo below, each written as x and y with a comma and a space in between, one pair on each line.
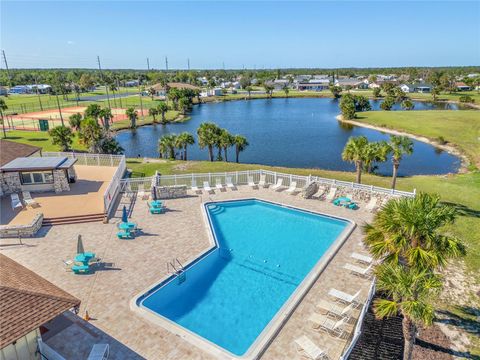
409, 292
153, 112
241, 144
249, 89
62, 136
183, 104
113, 88
132, 116
208, 137
3, 107
162, 109
106, 115
185, 139
400, 145
286, 90
75, 120
407, 231
375, 152
355, 151
93, 111
167, 143
268, 89
226, 140
151, 91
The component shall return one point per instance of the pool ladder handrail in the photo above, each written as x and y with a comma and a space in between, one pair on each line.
172, 265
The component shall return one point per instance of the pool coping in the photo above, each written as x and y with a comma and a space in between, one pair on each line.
274, 326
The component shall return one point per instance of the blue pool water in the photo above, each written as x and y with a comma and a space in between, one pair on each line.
264, 252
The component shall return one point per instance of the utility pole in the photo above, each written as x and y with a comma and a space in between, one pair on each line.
166, 63
188, 64
141, 102
106, 85
38, 94
6, 67
148, 64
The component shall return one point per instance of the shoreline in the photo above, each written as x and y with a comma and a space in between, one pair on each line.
451, 149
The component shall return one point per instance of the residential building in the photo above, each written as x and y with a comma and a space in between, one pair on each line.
313, 85
351, 83
461, 86
420, 88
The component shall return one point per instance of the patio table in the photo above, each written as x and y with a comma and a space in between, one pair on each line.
342, 201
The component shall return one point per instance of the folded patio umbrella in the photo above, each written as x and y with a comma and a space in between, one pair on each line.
154, 193
124, 214
80, 249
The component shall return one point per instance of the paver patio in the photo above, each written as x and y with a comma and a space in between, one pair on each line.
134, 265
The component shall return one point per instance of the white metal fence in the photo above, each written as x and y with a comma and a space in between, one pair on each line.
242, 177
114, 186
358, 328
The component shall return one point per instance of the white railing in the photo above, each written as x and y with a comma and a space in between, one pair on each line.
358, 327
88, 159
114, 187
271, 177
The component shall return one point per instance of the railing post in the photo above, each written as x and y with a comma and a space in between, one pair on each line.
236, 177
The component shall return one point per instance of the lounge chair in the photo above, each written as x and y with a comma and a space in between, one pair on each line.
330, 326
99, 352
15, 201
278, 186
331, 194
335, 309
155, 209
229, 183
262, 181
319, 193
27, 198
218, 184
342, 296
358, 270
362, 258
195, 188
251, 183
206, 187
292, 188
79, 269
124, 235
372, 204
308, 349
141, 193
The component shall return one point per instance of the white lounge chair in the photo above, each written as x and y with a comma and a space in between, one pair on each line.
342, 296
99, 352
324, 323
141, 192
308, 349
251, 183
229, 183
372, 204
292, 188
194, 187
218, 184
278, 185
27, 198
362, 258
335, 309
319, 193
358, 270
331, 194
15, 201
206, 187
262, 181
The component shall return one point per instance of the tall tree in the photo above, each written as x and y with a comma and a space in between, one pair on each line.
347, 106
162, 109
226, 140
183, 140
90, 134
62, 136
286, 90
336, 91
75, 120
355, 152
132, 115
106, 115
93, 111
241, 144
167, 145
208, 137
400, 145
249, 90
375, 152
268, 89
153, 112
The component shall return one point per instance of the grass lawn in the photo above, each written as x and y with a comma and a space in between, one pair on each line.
40, 139
456, 127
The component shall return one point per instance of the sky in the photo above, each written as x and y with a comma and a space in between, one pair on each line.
238, 34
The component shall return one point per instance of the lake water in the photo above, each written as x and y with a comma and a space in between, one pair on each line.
294, 132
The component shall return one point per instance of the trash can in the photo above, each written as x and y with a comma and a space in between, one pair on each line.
43, 124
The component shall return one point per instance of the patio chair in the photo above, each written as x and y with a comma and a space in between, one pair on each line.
155, 209
372, 204
251, 183
331, 194
319, 193
27, 198
206, 187
80, 269
141, 192
308, 349
99, 352
292, 188
15, 201
357, 270
344, 297
278, 186
124, 235
334, 309
194, 187
262, 181
362, 258
229, 183
218, 184
328, 325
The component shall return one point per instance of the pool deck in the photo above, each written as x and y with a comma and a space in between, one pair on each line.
130, 266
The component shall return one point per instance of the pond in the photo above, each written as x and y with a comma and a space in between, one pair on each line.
294, 132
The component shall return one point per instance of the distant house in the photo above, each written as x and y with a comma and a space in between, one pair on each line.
420, 88
278, 84
132, 83
19, 89
351, 83
162, 91
212, 92
406, 88
374, 85
3, 91
28, 302
30, 89
461, 86
313, 85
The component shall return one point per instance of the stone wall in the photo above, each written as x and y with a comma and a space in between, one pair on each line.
60, 181
15, 231
10, 182
171, 192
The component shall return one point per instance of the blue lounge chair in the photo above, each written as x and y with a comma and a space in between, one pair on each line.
79, 269
124, 235
352, 206
156, 210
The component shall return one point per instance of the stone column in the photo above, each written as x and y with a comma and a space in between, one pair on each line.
60, 181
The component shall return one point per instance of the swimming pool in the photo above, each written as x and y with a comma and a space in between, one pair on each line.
236, 295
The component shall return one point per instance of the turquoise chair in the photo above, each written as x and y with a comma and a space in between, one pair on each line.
124, 235
352, 206
80, 269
